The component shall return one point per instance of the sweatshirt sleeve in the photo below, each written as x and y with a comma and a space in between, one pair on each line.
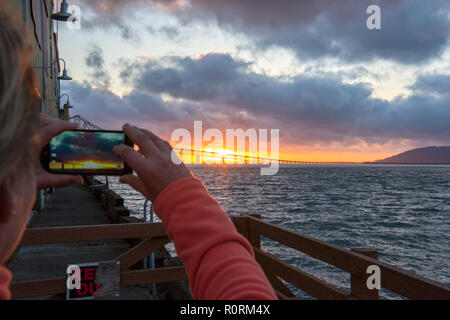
5, 279
218, 260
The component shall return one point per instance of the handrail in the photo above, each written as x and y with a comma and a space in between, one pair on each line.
310, 284
394, 279
337, 256
37, 236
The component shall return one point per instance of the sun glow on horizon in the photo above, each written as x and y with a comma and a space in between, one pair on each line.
211, 155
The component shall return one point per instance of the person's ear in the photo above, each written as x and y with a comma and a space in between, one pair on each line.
8, 199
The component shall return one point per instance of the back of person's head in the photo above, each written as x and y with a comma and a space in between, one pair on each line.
19, 106
19, 121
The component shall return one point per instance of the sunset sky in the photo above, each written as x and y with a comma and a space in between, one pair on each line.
336, 90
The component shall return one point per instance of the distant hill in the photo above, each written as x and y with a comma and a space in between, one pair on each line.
428, 155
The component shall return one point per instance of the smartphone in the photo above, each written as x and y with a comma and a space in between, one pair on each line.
85, 152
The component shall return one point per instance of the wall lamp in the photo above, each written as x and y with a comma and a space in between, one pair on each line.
63, 14
67, 105
64, 76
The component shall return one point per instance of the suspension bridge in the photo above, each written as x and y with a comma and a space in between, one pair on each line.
214, 157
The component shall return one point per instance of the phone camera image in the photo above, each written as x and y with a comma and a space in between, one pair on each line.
86, 153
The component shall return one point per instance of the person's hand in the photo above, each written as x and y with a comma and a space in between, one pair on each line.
152, 163
48, 129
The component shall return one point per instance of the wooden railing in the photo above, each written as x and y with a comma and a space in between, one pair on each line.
355, 261
154, 237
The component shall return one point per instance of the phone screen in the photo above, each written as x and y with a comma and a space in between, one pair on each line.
86, 152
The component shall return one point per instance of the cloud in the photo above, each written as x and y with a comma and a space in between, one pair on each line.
223, 92
305, 104
171, 33
129, 34
115, 8
95, 58
96, 64
110, 15
110, 111
433, 84
413, 31
105, 107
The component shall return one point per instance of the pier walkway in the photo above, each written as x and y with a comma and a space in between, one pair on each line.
70, 206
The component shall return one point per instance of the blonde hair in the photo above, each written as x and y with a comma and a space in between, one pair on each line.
19, 106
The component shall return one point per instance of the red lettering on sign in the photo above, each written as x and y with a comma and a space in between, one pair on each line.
83, 289
89, 274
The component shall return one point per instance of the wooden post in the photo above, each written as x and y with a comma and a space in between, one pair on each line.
242, 226
254, 237
359, 281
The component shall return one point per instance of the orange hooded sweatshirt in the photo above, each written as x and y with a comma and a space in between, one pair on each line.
218, 260
5, 278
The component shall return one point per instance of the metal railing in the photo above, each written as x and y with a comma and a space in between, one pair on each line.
152, 255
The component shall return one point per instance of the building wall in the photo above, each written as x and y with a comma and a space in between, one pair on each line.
46, 79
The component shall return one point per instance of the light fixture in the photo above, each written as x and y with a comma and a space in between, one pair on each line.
64, 76
62, 15
67, 105
63, 112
